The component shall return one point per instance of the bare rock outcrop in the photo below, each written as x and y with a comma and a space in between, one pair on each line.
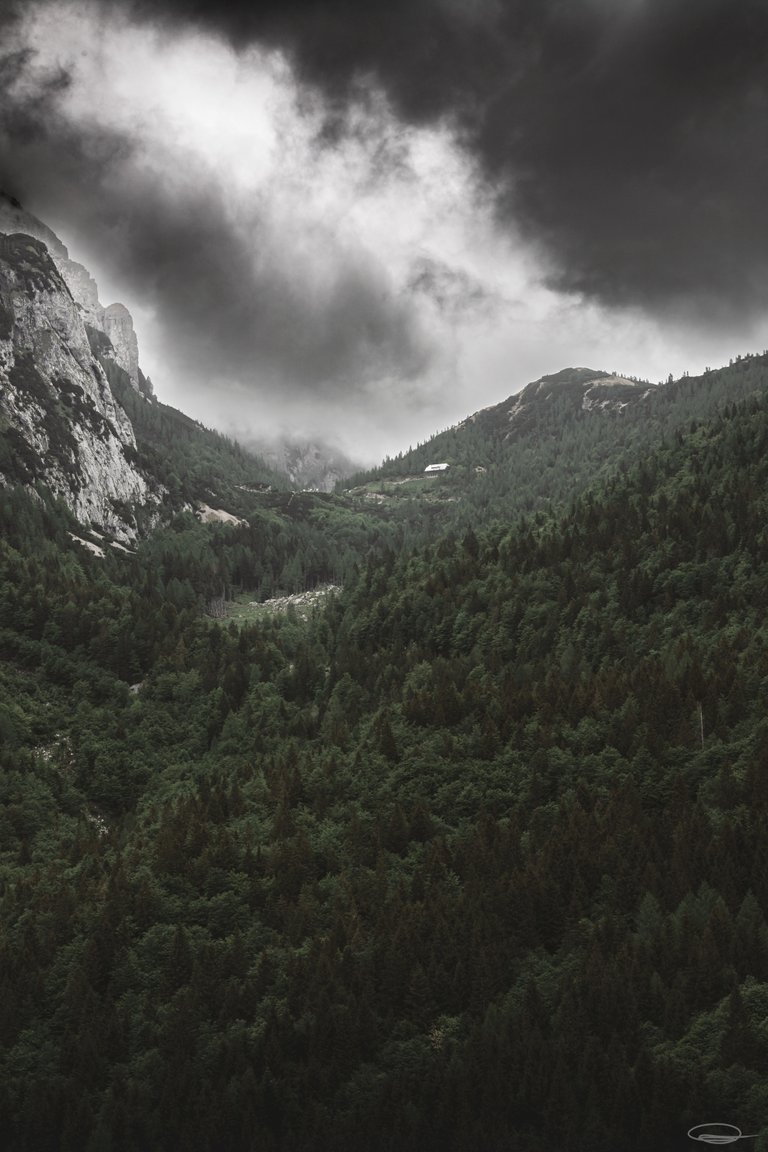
117, 324
115, 321
57, 410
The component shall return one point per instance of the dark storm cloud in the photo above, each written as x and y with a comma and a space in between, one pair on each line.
626, 137
238, 302
455, 293
239, 307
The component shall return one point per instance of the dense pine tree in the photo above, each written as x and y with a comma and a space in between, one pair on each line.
473, 858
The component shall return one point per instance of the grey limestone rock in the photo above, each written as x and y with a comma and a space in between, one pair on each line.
55, 401
114, 321
117, 324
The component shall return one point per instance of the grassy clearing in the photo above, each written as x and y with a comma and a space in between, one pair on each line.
429, 487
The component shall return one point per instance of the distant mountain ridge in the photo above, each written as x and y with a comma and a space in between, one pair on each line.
78, 416
556, 437
549, 406
572, 393
312, 465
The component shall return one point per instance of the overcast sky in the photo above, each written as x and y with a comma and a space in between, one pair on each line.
363, 221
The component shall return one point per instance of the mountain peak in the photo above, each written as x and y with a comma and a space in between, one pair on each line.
567, 394
62, 424
114, 321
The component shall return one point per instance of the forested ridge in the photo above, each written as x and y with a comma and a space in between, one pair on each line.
555, 446
474, 858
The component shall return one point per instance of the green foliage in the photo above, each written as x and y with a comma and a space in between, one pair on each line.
447, 864
555, 448
194, 463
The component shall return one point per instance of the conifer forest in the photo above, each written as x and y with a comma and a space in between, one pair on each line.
471, 854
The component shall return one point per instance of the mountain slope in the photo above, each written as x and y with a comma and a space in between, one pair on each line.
59, 423
77, 415
311, 465
567, 396
193, 463
557, 437
474, 859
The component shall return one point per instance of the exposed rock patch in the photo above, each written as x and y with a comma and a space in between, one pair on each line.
117, 324
301, 601
114, 321
57, 411
97, 551
210, 515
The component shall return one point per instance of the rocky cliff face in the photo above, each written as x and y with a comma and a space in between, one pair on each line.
60, 421
117, 324
114, 321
